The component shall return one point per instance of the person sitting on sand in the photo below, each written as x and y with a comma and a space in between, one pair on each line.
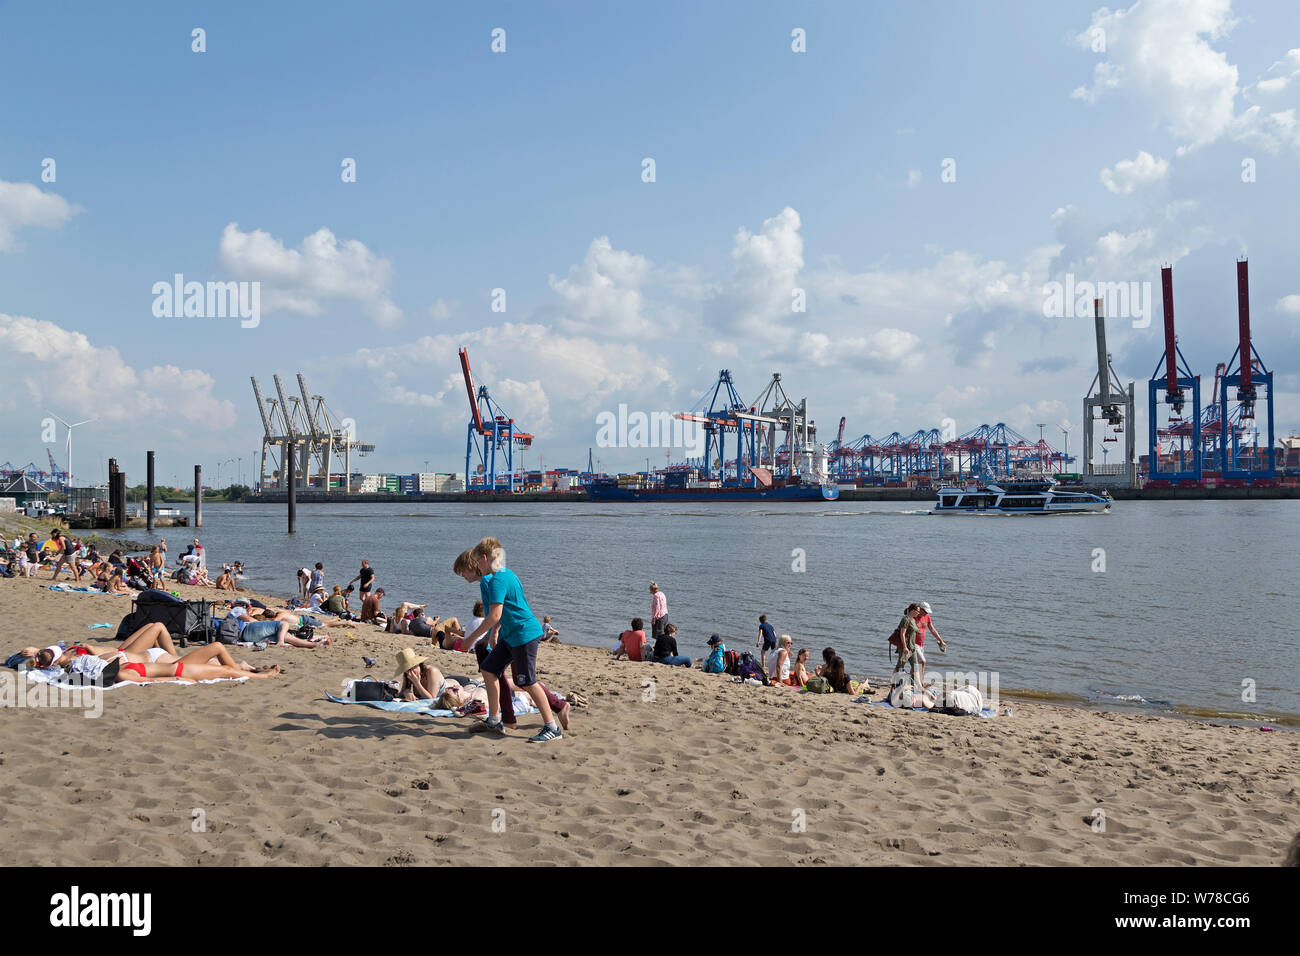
828, 654
838, 676
665, 649
549, 633
716, 662
423, 681
631, 643
399, 621
225, 581
781, 666
799, 673
115, 584
370, 606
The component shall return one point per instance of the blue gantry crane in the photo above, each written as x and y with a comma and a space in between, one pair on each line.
491, 439
1170, 389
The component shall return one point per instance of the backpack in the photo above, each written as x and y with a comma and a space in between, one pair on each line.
731, 662
716, 663
818, 685
228, 630
748, 669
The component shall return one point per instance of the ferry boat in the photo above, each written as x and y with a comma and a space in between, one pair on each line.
1020, 497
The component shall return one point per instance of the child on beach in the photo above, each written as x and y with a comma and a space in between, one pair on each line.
520, 633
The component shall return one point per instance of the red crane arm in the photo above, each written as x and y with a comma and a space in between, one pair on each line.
1243, 324
1171, 342
469, 389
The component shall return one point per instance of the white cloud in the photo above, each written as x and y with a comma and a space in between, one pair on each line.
96, 382
1163, 52
913, 178
22, 205
568, 375
1129, 174
603, 293
443, 309
1289, 304
320, 270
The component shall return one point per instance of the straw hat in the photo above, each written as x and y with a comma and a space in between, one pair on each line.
406, 659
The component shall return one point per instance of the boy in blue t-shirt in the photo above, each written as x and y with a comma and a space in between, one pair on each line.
519, 635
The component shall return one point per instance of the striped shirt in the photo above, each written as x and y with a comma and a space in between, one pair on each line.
658, 606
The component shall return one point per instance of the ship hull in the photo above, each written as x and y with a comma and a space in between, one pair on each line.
786, 493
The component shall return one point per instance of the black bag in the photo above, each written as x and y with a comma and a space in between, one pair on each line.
363, 690
159, 607
305, 632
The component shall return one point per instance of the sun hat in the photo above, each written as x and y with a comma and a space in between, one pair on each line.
925, 606
406, 659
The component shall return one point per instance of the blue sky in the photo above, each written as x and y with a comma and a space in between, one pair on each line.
522, 171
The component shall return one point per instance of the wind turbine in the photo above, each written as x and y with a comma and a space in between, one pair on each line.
70, 427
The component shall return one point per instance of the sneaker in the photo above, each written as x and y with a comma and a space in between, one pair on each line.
260, 646
546, 734
496, 726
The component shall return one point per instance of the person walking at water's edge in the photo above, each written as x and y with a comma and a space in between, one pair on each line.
766, 640
658, 612
520, 634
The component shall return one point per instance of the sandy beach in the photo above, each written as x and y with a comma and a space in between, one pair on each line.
666, 765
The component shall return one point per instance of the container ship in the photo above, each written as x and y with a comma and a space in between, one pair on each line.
812, 484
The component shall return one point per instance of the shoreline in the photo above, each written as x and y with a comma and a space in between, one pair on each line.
666, 765
1280, 493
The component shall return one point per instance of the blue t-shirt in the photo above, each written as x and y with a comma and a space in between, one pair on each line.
768, 631
518, 624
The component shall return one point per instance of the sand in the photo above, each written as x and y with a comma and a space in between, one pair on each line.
701, 771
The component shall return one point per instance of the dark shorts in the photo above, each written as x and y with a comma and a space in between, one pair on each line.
420, 628
524, 657
769, 646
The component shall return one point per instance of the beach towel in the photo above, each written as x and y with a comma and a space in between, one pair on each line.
57, 677
985, 712
523, 704
83, 590
400, 706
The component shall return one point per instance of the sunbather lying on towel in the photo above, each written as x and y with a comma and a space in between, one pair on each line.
151, 644
112, 667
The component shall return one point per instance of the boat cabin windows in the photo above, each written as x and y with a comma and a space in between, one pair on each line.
948, 501
1025, 501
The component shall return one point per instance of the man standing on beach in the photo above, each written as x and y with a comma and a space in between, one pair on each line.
520, 634
365, 576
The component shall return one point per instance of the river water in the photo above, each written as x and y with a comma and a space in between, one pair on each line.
1181, 606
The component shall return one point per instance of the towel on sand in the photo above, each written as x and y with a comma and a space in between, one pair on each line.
84, 590
58, 678
523, 705
986, 712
